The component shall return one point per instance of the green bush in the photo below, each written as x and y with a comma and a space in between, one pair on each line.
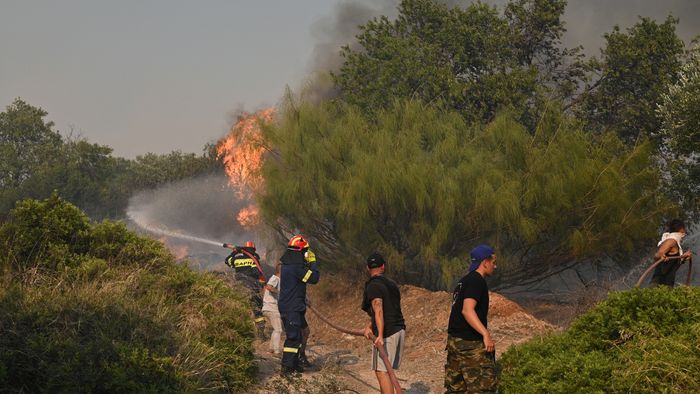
119, 315
641, 341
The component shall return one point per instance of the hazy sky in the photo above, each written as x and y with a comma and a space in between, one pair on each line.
157, 76
160, 75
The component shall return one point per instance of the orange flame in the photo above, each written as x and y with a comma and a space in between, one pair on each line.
249, 216
242, 152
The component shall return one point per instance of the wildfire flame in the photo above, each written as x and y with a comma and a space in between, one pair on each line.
249, 216
242, 152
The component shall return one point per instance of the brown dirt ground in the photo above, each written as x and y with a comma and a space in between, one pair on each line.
342, 362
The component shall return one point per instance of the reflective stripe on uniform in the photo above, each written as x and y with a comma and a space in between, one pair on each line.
259, 319
238, 263
291, 350
307, 276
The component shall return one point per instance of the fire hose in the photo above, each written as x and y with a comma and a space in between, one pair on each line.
661, 260
382, 351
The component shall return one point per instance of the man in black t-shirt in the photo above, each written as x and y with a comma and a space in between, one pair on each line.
471, 362
382, 302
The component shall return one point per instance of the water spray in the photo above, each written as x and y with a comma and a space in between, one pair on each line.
157, 230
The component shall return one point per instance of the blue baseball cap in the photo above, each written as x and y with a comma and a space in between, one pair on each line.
479, 254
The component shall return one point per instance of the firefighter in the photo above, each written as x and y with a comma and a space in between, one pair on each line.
246, 263
298, 270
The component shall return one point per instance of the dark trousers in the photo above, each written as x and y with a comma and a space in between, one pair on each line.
665, 273
254, 288
292, 327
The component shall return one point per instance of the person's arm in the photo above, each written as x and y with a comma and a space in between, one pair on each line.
664, 248
367, 331
311, 275
469, 313
272, 284
378, 309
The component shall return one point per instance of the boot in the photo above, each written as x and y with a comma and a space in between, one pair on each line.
303, 361
260, 330
289, 371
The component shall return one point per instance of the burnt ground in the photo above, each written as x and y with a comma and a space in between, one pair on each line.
342, 362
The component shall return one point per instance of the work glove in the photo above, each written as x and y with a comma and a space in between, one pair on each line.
310, 256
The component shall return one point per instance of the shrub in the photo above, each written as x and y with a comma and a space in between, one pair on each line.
641, 340
117, 315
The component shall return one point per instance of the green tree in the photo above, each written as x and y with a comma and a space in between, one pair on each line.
27, 142
536, 31
635, 68
150, 170
471, 59
438, 54
419, 184
680, 121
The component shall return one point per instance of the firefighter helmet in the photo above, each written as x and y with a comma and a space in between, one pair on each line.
297, 242
249, 244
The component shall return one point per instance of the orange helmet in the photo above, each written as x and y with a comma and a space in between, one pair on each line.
249, 244
297, 243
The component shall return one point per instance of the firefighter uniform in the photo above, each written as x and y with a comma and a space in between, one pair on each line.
250, 276
298, 270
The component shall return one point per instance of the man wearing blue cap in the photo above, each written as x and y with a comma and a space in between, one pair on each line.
471, 361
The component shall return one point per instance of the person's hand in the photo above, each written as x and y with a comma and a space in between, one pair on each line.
688, 254
310, 256
488, 343
367, 332
379, 342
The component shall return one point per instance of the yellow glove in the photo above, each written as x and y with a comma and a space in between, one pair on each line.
310, 256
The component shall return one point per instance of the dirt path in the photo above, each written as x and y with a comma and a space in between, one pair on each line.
342, 362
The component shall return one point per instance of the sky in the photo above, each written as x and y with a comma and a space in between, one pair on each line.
161, 75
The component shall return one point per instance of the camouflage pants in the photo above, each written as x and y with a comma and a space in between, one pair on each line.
469, 369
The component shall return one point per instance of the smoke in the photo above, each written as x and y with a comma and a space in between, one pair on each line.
334, 31
588, 20
198, 213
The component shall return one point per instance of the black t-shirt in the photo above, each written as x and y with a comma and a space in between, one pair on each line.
473, 286
380, 287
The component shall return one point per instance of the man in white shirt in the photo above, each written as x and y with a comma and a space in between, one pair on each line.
271, 312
